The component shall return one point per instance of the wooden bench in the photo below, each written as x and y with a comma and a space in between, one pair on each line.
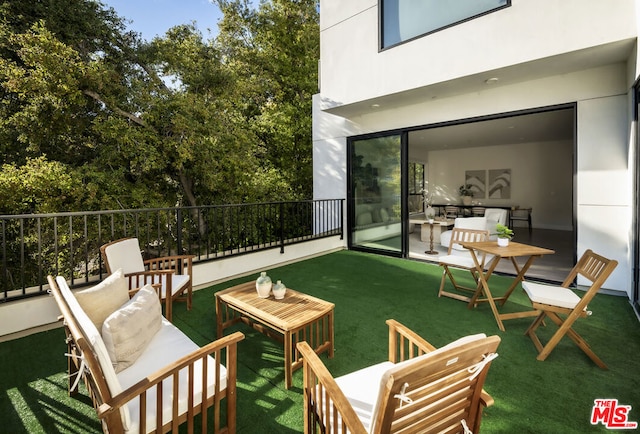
163, 387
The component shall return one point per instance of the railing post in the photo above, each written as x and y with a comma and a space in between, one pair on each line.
179, 249
342, 219
281, 227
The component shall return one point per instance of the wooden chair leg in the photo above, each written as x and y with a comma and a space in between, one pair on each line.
577, 339
447, 273
531, 331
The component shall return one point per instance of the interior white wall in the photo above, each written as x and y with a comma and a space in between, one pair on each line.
550, 164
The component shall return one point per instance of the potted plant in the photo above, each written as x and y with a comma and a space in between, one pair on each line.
431, 217
504, 234
466, 193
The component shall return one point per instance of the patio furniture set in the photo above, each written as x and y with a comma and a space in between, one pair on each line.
145, 375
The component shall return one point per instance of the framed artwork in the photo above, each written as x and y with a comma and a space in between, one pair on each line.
478, 181
499, 184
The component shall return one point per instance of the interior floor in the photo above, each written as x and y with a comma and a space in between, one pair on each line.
553, 267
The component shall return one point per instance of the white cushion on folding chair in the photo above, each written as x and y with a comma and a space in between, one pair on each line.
457, 261
551, 294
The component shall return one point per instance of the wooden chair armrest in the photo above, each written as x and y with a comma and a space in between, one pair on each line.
485, 399
323, 397
227, 342
404, 343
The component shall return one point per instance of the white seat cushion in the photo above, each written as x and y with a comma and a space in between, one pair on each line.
168, 345
457, 261
363, 387
551, 294
178, 282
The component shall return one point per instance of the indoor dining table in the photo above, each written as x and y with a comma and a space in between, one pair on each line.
511, 251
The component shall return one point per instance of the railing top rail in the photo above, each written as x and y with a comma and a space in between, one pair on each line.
143, 210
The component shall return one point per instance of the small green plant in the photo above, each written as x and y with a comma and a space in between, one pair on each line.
504, 232
466, 190
431, 216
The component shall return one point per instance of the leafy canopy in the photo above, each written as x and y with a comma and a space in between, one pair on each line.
93, 117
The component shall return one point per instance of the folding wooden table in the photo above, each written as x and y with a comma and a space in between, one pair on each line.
512, 251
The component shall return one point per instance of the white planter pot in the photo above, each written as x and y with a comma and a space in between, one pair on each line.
503, 242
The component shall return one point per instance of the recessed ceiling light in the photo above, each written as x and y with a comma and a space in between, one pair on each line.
492, 80
375, 105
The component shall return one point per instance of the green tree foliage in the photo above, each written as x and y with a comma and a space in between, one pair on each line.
273, 53
110, 121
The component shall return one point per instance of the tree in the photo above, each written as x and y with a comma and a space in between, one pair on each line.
180, 119
273, 54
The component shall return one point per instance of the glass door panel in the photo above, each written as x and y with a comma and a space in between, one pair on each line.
375, 194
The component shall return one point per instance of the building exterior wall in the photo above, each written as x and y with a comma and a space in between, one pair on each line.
354, 69
540, 47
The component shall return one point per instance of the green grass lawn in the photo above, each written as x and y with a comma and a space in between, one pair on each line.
554, 396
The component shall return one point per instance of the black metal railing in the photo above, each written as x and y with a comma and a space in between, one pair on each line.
34, 245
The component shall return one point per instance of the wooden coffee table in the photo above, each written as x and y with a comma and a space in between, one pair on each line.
298, 317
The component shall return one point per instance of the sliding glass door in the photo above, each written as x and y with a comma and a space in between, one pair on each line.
375, 194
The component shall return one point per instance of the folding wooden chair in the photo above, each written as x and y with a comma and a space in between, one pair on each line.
553, 301
458, 257
420, 389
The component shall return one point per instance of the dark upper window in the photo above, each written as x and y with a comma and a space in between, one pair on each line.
402, 20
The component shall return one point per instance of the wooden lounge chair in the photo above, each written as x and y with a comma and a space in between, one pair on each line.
420, 389
458, 257
553, 301
171, 273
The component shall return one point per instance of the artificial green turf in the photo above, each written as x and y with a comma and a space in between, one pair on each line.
554, 396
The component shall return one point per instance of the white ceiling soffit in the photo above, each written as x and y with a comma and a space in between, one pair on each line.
546, 126
607, 54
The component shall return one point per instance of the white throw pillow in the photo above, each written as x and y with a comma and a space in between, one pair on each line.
105, 298
128, 330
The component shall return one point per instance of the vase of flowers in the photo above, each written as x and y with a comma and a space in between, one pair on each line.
466, 193
427, 200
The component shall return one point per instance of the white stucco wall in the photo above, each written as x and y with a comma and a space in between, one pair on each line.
604, 182
526, 31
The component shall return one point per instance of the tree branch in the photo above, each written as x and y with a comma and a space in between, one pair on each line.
116, 109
